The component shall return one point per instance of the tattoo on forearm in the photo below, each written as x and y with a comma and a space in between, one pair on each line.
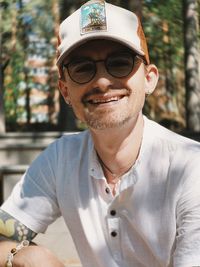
13, 229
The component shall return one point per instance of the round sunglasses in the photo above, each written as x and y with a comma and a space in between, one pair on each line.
118, 65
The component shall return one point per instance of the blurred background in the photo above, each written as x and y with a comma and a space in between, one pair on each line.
29, 99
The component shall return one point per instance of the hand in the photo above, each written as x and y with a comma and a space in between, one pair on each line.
34, 256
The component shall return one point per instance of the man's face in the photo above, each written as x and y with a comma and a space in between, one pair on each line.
105, 101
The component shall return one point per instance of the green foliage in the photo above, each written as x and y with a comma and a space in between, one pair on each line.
39, 14
12, 82
19, 22
163, 24
156, 13
5, 28
13, 52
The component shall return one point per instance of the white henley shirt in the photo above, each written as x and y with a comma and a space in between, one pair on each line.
154, 219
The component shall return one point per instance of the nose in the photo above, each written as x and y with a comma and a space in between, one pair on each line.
102, 79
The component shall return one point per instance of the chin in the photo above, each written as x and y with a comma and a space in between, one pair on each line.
106, 124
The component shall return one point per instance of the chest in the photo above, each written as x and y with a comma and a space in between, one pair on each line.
132, 224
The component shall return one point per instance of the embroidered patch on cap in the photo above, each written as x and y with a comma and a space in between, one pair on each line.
93, 17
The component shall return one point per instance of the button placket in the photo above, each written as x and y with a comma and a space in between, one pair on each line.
114, 233
113, 224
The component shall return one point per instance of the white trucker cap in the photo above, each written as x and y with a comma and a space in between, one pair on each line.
97, 19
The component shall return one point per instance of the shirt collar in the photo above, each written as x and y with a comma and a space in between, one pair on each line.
95, 169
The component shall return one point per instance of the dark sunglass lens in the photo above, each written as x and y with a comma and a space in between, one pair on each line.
81, 71
120, 65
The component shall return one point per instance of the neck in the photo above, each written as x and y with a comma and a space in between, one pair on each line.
113, 178
118, 149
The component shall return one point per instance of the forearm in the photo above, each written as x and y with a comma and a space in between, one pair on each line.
12, 232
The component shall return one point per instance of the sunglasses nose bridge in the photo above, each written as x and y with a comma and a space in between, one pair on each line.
101, 68
102, 78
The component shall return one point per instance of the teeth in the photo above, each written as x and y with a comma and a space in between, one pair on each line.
97, 101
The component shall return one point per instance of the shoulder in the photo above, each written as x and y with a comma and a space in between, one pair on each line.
76, 137
67, 148
70, 141
169, 139
178, 154
172, 158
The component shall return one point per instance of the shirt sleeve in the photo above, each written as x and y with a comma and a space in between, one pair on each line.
33, 200
187, 251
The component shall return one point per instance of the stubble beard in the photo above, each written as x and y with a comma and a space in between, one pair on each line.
104, 120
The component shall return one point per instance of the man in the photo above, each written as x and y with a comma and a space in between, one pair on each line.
128, 189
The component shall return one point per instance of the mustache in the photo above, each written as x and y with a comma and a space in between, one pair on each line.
93, 91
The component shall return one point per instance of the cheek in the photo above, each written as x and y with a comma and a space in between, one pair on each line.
74, 92
136, 85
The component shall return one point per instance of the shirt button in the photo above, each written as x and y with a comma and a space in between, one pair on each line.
107, 190
113, 212
113, 233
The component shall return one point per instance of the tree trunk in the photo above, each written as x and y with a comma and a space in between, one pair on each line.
2, 117
53, 101
66, 118
134, 6
192, 64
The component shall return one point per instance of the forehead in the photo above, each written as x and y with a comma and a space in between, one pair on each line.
97, 48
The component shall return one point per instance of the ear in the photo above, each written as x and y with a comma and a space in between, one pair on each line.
63, 90
151, 78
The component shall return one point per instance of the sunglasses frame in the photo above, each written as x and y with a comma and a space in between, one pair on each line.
134, 63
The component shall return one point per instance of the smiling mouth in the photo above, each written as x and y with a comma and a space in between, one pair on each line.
99, 101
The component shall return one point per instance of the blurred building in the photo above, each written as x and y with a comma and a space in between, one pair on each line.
38, 93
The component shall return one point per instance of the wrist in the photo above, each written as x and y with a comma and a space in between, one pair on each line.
14, 251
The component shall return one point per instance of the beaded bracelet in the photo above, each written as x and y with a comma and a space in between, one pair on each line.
13, 252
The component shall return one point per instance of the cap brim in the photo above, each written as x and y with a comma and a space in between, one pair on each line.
101, 36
